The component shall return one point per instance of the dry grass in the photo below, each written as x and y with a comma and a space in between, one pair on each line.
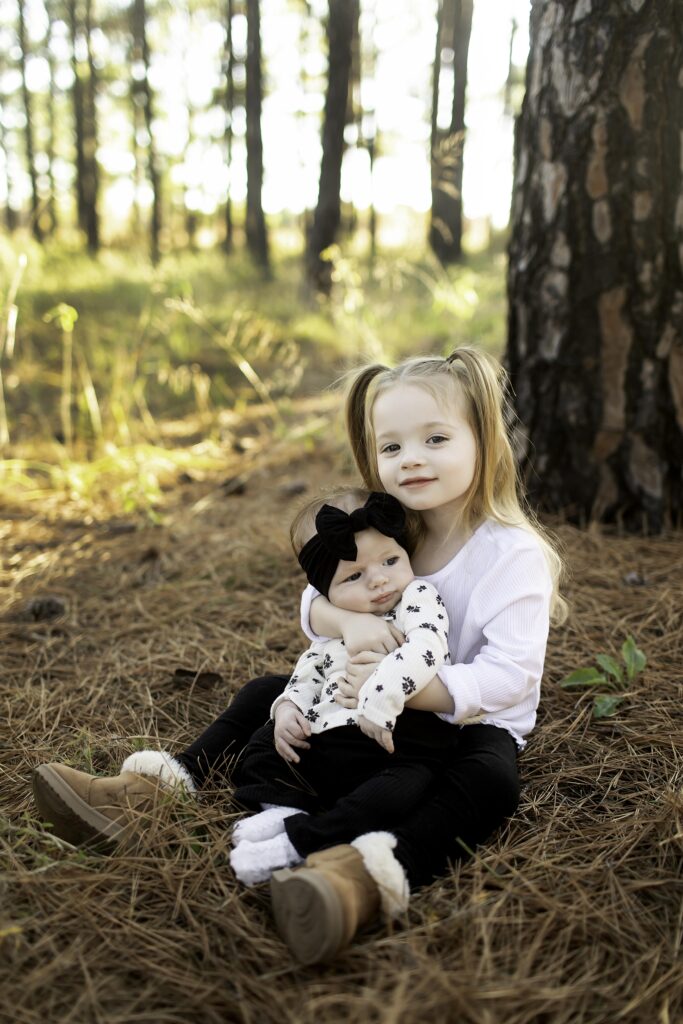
573, 913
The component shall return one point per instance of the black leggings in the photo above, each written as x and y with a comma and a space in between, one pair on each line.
346, 780
219, 747
477, 787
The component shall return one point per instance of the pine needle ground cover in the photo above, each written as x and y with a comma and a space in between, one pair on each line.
117, 636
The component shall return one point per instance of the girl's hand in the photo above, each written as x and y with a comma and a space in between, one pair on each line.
362, 631
291, 730
377, 733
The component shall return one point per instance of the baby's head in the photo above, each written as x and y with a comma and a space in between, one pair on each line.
350, 544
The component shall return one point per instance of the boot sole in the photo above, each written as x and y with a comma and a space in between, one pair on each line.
307, 914
71, 817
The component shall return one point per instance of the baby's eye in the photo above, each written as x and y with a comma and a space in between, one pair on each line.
389, 449
352, 578
436, 439
392, 561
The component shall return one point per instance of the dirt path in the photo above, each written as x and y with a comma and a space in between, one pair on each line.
114, 637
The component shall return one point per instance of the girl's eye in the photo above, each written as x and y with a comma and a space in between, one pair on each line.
436, 439
352, 578
392, 561
388, 449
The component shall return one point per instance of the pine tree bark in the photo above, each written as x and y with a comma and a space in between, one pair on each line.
27, 100
595, 335
343, 15
91, 175
78, 103
454, 27
228, 238
51, 118
10, 214
143, 93
257, 238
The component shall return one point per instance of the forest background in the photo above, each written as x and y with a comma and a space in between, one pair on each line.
210, 212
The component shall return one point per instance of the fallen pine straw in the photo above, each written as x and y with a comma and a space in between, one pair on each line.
572, 913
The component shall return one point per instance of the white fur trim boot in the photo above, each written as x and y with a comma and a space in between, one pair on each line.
318, 908
157, 764
110, 811
376, 849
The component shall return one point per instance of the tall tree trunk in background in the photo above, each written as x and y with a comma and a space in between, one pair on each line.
354, 111
190, 215
10, 217
28, 128
51, 119
595, 343
343, 15
91, 176
257, 239
510, 80
143, 93
369, 127
228, 239
454, 28
77, 98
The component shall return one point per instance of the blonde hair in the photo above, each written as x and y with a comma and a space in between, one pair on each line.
348, 499
495, 493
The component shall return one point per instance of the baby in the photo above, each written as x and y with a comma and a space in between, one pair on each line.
351, 546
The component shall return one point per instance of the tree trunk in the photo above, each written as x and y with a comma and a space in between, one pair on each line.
77, 98
51, 119
445, 233
10, 213
143, 90
343, 15
36, 228
595, 342
228, 239
257, 239
91, 177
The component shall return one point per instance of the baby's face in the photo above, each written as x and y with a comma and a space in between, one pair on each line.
375, 581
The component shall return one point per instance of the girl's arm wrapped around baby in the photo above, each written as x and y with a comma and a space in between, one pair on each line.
421, 615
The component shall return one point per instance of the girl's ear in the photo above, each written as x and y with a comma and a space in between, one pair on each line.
356, 403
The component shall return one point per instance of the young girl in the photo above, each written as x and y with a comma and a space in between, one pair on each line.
431, 433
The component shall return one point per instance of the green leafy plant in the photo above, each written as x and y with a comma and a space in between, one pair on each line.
611, 675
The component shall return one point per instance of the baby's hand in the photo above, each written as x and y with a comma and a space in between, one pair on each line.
365, 632
358, 671
377, 733
346, 693
291, 730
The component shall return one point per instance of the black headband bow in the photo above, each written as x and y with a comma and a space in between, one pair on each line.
335, 537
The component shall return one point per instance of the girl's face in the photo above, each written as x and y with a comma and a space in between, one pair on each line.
426, 450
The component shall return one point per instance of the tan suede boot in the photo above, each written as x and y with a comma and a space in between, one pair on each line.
86, 810
318, 908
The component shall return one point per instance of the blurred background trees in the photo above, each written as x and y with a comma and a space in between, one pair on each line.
183, 123
364, 149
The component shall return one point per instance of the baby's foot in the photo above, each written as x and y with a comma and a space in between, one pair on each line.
255, 862
262, 826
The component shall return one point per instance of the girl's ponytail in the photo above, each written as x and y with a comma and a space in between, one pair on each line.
356, 421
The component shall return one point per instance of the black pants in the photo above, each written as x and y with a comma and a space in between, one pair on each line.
350, 783
219, 748
477, 788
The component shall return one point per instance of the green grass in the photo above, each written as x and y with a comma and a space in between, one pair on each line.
109, 351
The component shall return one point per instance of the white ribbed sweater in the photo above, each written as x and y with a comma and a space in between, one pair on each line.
497, 593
